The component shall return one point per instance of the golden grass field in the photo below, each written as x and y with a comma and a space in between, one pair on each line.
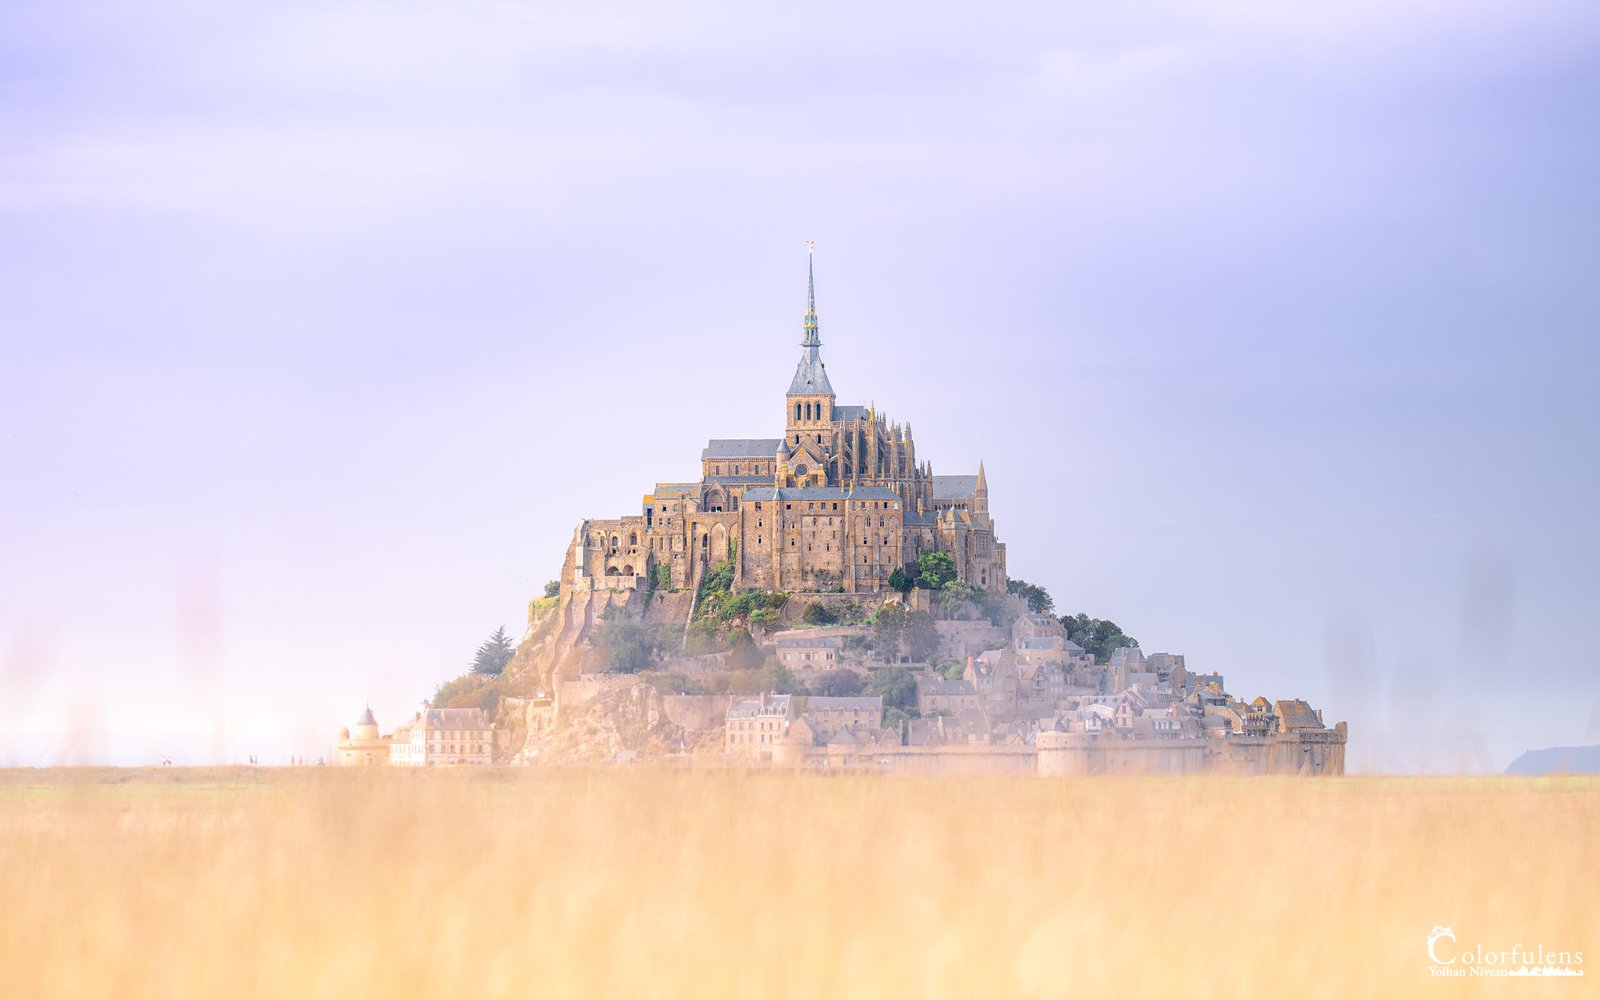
645, 882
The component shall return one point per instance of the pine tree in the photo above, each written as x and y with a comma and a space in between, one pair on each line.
494, 654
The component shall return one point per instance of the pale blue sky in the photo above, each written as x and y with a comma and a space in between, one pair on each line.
323, 324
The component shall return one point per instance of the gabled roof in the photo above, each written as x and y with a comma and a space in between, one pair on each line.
1296, 714
811, 642
954, 487
454, 718
858, 704
741, 448
777, 706
845, 414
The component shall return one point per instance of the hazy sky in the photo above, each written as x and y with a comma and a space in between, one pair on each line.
324, 324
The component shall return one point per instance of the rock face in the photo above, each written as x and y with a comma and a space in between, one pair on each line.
618, 723
1557, 760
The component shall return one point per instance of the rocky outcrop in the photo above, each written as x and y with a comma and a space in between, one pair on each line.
633, 718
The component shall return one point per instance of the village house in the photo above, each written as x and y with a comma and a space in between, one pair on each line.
753, 725
935, 694
993, 675
803, 652
444, 737
832, 715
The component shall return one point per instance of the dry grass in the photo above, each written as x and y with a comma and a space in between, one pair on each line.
705, 884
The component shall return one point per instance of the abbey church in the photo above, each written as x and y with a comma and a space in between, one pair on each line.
836, 504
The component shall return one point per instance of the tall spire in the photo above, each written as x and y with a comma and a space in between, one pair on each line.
811, 338
810, 377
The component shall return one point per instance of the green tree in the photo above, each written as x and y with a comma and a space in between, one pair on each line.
956, 598
886, 627
552, 588
494, 654
898, 687
920, 635
1098, 636
817, 613
743, 653
1039, 599
839, 683
900, 580
935, 569
625, 645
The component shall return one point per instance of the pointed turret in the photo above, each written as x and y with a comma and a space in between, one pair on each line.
810, 376
811, 338
980, 492
808, 405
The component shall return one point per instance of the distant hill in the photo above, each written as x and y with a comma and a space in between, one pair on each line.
1558, 760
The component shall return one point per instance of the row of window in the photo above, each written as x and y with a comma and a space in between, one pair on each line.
859, 505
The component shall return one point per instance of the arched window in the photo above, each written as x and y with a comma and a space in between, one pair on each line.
797, 411
633, 539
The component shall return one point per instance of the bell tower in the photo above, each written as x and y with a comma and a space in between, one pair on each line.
808, 405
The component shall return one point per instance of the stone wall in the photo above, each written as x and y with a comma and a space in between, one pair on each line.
696, 711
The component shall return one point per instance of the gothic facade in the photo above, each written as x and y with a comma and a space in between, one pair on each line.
837, 503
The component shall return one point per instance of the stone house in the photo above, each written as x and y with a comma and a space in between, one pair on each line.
753, 725
444, 737
993, 675
936, 694
801, 652
833, 715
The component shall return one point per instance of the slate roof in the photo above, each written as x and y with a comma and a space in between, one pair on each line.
455, 718
811, 642
676, 490
845, 414
1296, 714
810, 375
864, 703
954, 487
946, 688
738, 480
777, 707
741, 448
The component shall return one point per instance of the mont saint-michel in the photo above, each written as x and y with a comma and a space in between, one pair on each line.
824, 599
